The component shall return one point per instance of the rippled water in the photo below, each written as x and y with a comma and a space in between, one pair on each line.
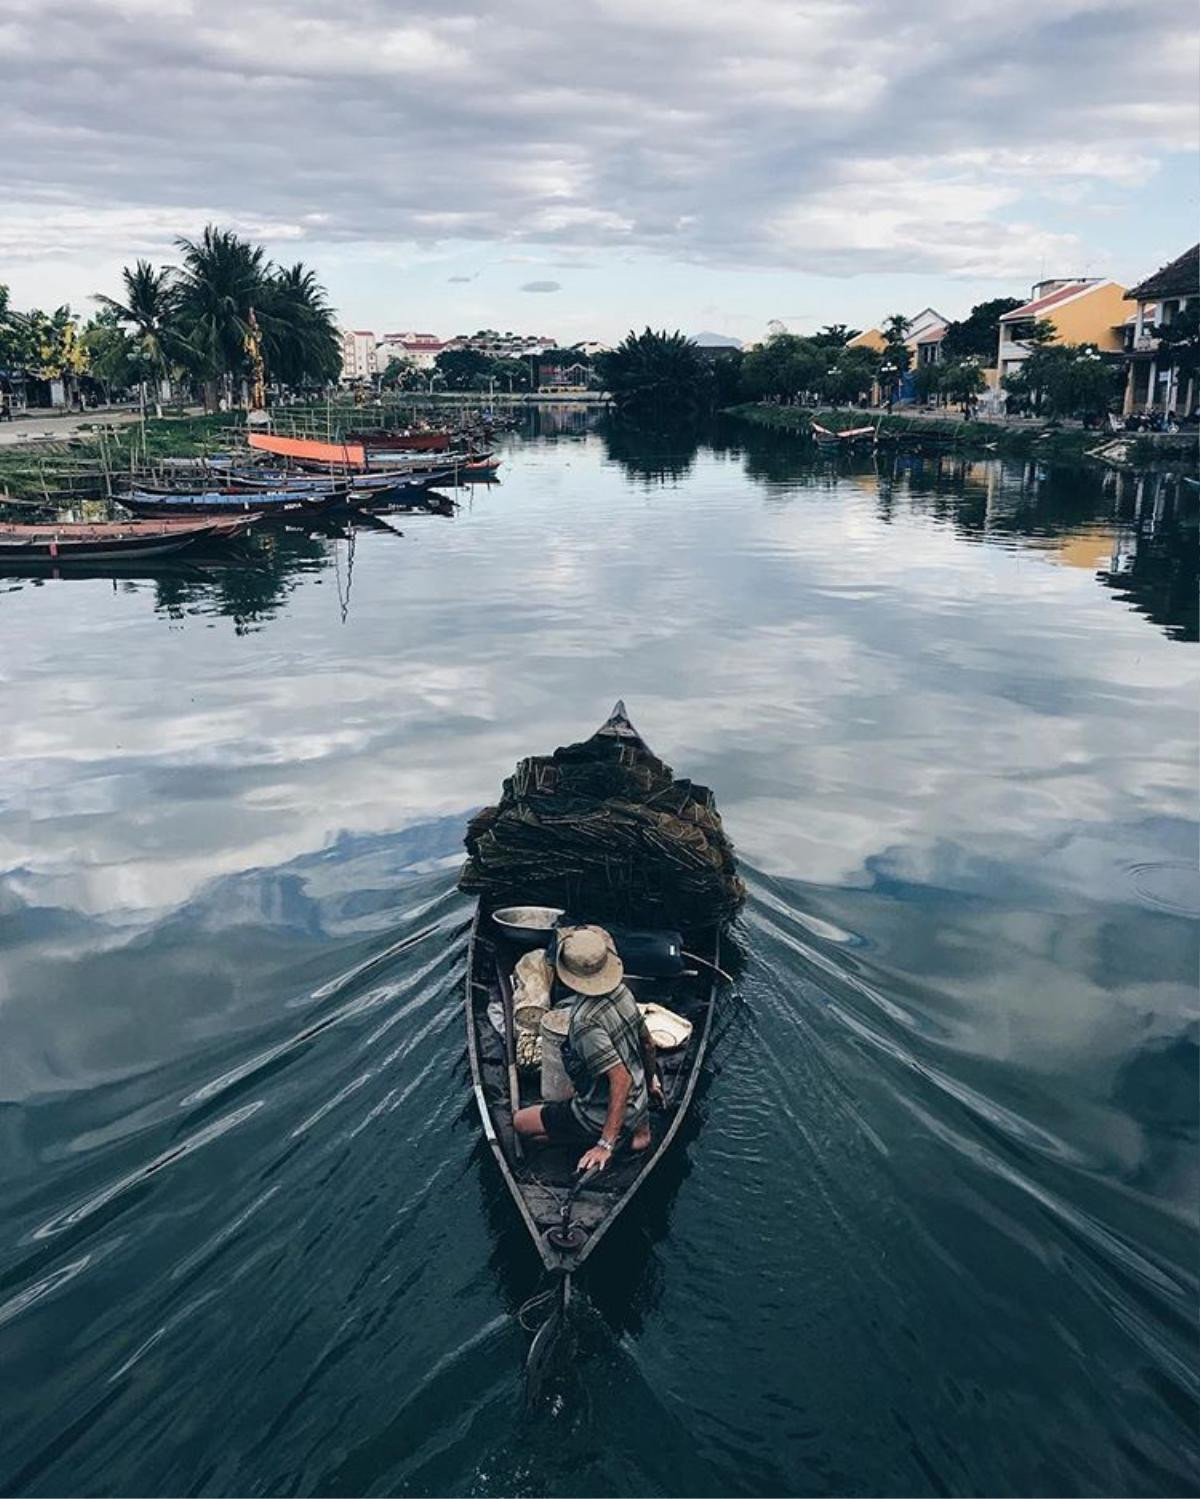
932, 1228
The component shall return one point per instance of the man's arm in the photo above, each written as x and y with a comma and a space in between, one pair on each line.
619, 1084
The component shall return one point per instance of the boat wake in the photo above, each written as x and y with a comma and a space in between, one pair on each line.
252, 1239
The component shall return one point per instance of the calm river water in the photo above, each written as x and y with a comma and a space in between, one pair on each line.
934, 1228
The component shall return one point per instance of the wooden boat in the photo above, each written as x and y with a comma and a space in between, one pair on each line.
440, 464
486, 468
310, 450
404, 442
540, 1177
567, 1219
264, 504
106, 541
828, 438
254, 479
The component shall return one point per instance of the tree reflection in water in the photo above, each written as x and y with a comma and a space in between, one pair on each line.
1137, 531
652, 458
250, 587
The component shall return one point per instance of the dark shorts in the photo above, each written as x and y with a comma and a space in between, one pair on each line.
562, 1127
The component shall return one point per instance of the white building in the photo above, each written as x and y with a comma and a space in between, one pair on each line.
505, 345
420, 349
360, 361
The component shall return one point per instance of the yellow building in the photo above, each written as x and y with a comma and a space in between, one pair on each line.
871, 339
1082, 311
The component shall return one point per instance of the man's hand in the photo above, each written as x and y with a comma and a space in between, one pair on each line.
597, 1156
657, 1098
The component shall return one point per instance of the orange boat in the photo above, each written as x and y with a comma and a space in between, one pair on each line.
347, 454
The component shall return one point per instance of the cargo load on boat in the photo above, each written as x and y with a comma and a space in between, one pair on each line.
604, 826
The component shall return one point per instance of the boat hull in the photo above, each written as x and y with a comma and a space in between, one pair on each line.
538, 1182
264, 504
106, 541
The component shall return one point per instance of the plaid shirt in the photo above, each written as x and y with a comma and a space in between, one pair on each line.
606, 1029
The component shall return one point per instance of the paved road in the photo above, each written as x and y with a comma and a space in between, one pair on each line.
39, 426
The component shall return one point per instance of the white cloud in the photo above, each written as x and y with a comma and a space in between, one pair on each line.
829, 136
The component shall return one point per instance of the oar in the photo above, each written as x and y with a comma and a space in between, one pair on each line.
510, 1054
552, 1341
695, 957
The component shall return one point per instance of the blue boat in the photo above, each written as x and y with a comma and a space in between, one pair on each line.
269, 503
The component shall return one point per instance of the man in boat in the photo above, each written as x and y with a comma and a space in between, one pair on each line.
608, 1055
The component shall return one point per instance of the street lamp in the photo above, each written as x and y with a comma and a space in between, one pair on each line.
887, 374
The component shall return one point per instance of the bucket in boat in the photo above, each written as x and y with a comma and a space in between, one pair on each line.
555, 1082
667, 1030
531, 991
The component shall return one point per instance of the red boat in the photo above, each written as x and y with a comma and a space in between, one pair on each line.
403, 442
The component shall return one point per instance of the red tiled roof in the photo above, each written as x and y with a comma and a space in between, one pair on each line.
1051, 299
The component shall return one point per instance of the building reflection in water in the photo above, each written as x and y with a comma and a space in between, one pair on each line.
1135, 531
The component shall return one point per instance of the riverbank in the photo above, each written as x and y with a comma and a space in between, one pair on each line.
62, 464
1013, 439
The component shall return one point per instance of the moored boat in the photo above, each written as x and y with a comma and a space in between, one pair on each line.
265, 504
404, 442
105, 541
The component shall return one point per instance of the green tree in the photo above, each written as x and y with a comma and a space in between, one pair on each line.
57, 353
401, 374
977, 336
727, 377
516, 374
16, 343
220, 281
834, 336
463, 369
300, 339
657, 378
148, 309
961, 381
1065, 380
112, 356
849, 377
786, 366
896, 358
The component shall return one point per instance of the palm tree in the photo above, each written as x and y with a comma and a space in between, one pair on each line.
222, 278
149, 309
298, 328
656, 377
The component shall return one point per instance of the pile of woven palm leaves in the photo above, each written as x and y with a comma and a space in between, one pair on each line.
604, 830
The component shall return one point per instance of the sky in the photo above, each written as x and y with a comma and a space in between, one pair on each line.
577, 171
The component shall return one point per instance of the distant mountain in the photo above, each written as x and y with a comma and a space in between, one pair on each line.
716, 341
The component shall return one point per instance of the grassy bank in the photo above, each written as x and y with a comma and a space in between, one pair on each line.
74, 467
1057, 444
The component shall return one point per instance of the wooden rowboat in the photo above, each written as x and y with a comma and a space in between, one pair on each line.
265, 504
567, 1220
540, 1179
105, 541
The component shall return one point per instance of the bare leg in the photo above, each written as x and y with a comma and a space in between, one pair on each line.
528, 1124
641, 1136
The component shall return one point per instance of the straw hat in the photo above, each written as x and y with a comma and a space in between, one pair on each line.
587, 960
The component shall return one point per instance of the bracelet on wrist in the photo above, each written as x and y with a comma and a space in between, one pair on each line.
604, 1144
